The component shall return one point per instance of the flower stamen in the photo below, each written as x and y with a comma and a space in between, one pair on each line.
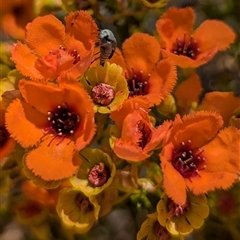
62, 120
137, 84
187, 161
186, 48
177, 210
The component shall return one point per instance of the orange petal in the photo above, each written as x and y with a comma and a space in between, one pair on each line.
158, 136
72, 75
210, 181
162, 81
141, 51
25, 60
174, 23
186, 62
52, 161
130, 124
54, 63
173, 182
199, 127
81, 25
24, 123
129, 151
223, 102
223, 153
185, 97
209, 35
40, 96
11, 27
45, 33
128, 107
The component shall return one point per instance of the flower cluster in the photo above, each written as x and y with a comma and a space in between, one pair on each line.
88, 135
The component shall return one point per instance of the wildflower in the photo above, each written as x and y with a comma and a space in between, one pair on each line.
152, 229
107, 87
96, 172
7, 143
190, 49
46, 198
77, 211
139, 138
198, 157
182, 218
52, 49
55, 121
14, 17
128, 107
187, 94
224, 103
147, 77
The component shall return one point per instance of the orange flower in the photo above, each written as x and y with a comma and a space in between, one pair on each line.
52, 120
198, 157
15, 15
187, 48
224, 103
51, 49
128, 107
7, 144
44, 197
147, 77
139, 138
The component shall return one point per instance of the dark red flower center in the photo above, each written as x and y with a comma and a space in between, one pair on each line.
83, 203
188, 161
161, 232
103, 94
98, 175
137, 84
185, 47
63, 121
146, 132
4, 135
177, 210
